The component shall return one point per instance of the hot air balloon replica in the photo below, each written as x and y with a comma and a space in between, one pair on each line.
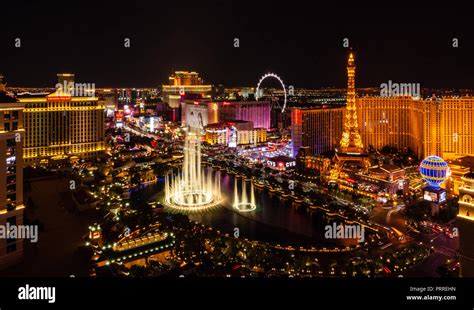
435, 171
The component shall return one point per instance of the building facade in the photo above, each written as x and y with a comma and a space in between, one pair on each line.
59, 125
12, 135
457, 127
316, 128
198, 113
442, 127
182, 83
234, 133
465, 221
386, 179
257, 112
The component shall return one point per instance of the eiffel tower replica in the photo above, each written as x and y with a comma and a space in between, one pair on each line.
351, 156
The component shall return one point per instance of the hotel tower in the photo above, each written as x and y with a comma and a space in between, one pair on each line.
11, 175
465, 221
62, 126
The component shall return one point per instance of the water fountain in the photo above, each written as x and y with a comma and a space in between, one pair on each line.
193, 189
243, 204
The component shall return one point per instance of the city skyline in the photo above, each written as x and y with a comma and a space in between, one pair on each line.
141, 143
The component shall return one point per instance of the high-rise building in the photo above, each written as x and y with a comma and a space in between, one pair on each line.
437, 126
318, 129
11, 174
182, 83
257, 112
196, 114
60, 125
465, 221
401, 122
457, 127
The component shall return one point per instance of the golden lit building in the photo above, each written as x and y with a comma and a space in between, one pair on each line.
60, 125
401, 122
465, 221
458, 168
11, 175
182, 83
443, 126
457, 127
308, 165
318, 129
234, 133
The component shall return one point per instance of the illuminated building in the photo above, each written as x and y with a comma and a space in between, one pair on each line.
185, 78
308, 164
465, 220
457, 127
401, 122
458, 167
110, 98
234, 133
441, 126
182, 83
11, 175
316, 128
242, 92
59, 125
198, 113
384, 181
257, 112
351, 154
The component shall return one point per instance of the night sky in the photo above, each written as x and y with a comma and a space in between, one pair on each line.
299, 41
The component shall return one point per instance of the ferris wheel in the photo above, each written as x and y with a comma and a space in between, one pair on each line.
272, 75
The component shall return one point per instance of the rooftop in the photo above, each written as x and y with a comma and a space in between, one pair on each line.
390, 167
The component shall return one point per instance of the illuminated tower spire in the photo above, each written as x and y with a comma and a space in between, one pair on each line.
351, 140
